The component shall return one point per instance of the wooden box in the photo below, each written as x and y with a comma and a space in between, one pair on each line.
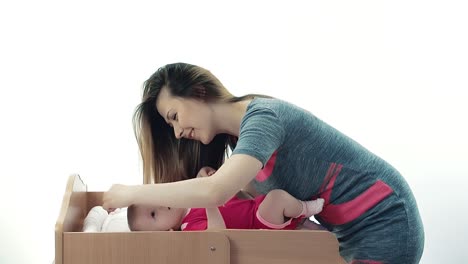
218, 247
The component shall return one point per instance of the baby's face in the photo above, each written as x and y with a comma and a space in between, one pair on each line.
150, 218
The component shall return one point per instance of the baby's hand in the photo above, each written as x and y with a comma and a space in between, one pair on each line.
205, 172
118, 196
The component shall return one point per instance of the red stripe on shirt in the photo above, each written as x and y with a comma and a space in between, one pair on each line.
265, 173
338, 214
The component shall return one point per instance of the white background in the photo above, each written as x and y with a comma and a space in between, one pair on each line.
392, 75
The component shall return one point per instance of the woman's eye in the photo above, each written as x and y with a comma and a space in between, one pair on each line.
153, 214
174, 117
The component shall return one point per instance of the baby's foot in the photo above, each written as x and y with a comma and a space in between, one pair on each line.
313, 207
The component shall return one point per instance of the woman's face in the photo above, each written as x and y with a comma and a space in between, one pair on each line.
190, 118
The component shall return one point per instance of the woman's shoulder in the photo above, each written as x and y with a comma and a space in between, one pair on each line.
271, 114
268, 103
273, 105
277, 112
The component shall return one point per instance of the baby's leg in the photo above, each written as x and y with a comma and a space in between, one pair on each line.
279, 204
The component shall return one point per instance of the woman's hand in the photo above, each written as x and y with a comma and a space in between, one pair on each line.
118, 196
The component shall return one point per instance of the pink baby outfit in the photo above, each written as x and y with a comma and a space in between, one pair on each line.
237, 214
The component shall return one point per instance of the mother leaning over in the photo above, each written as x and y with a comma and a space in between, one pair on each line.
187, 119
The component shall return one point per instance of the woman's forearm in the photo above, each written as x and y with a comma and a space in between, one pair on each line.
196, 193
203, 192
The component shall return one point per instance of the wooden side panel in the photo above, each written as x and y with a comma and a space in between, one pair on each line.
72, 212
93, 199
146, 247
283, 246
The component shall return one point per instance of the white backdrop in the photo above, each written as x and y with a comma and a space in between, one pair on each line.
389, 74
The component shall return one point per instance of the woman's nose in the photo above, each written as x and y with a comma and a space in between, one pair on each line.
178, 132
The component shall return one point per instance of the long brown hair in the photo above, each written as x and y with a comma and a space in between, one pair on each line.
166, 158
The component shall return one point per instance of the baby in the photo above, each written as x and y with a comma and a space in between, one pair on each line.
275, 210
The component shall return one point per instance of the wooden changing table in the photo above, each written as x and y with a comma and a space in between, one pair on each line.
194, 247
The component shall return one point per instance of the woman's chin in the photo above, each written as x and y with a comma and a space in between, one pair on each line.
206, 141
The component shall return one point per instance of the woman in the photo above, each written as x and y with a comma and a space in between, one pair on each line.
187, 119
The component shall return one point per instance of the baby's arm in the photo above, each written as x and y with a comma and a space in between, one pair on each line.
215, 219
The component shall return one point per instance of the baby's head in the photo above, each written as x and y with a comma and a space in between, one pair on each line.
154, 218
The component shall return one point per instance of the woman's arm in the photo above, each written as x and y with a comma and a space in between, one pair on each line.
203, 192
215, 219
